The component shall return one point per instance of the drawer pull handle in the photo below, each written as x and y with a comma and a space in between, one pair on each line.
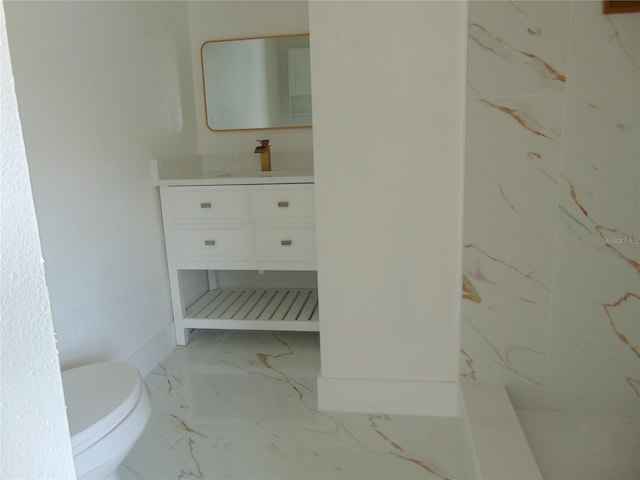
209, 243
283, 204
205, 205
286, 243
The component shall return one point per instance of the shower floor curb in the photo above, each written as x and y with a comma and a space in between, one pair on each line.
500, 447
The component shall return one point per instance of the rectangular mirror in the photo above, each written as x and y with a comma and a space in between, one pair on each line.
257, 83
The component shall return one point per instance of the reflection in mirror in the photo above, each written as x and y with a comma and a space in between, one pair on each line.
257, 83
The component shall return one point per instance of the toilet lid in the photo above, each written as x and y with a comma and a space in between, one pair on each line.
99, 396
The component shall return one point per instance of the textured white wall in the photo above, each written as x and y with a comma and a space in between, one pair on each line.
35, 436
102, 88
388, 110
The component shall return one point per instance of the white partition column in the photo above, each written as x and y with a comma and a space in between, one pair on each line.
388, 84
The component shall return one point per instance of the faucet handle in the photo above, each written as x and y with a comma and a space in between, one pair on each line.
263, 143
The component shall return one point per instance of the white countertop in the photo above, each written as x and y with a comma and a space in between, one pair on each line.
240, 178
194, 171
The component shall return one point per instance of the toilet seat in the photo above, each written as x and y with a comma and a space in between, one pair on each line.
99, 396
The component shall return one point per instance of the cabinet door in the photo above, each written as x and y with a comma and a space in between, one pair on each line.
204, 243
207, 204
282, 203
284, 243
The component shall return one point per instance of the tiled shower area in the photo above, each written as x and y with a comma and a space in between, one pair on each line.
551, 305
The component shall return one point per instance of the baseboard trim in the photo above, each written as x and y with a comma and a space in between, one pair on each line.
147, 357
440, 399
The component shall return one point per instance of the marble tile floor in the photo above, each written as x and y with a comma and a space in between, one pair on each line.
242, 405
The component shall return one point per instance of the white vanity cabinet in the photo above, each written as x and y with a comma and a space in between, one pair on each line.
265, 226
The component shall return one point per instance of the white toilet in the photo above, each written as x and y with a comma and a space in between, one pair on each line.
108, 407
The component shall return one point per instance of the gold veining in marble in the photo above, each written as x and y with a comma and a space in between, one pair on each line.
528, 276
185, 427
621, 336
525, 119
497, 46
400, 451
601, 229
183, 474
469, 292
264, 360
423, 465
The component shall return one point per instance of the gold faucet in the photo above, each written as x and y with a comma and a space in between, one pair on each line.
265, 155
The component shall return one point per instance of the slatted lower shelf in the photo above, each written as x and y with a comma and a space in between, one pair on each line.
292, 309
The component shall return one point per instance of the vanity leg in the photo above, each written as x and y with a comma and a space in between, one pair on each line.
182, 335
177, 301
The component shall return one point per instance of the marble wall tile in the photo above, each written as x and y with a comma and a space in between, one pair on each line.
551, 301
604, 51
590, 366
513, 163
594, 341
504, 328
517, 48
601, 155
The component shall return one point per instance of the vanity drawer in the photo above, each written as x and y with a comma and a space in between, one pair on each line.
284, 243
282, 203
207, 204
207, 243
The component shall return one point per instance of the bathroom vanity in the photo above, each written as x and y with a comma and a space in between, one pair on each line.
252, 221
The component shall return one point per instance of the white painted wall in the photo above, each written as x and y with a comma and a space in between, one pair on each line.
103, 87
388, 111
217, 20
33, 412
